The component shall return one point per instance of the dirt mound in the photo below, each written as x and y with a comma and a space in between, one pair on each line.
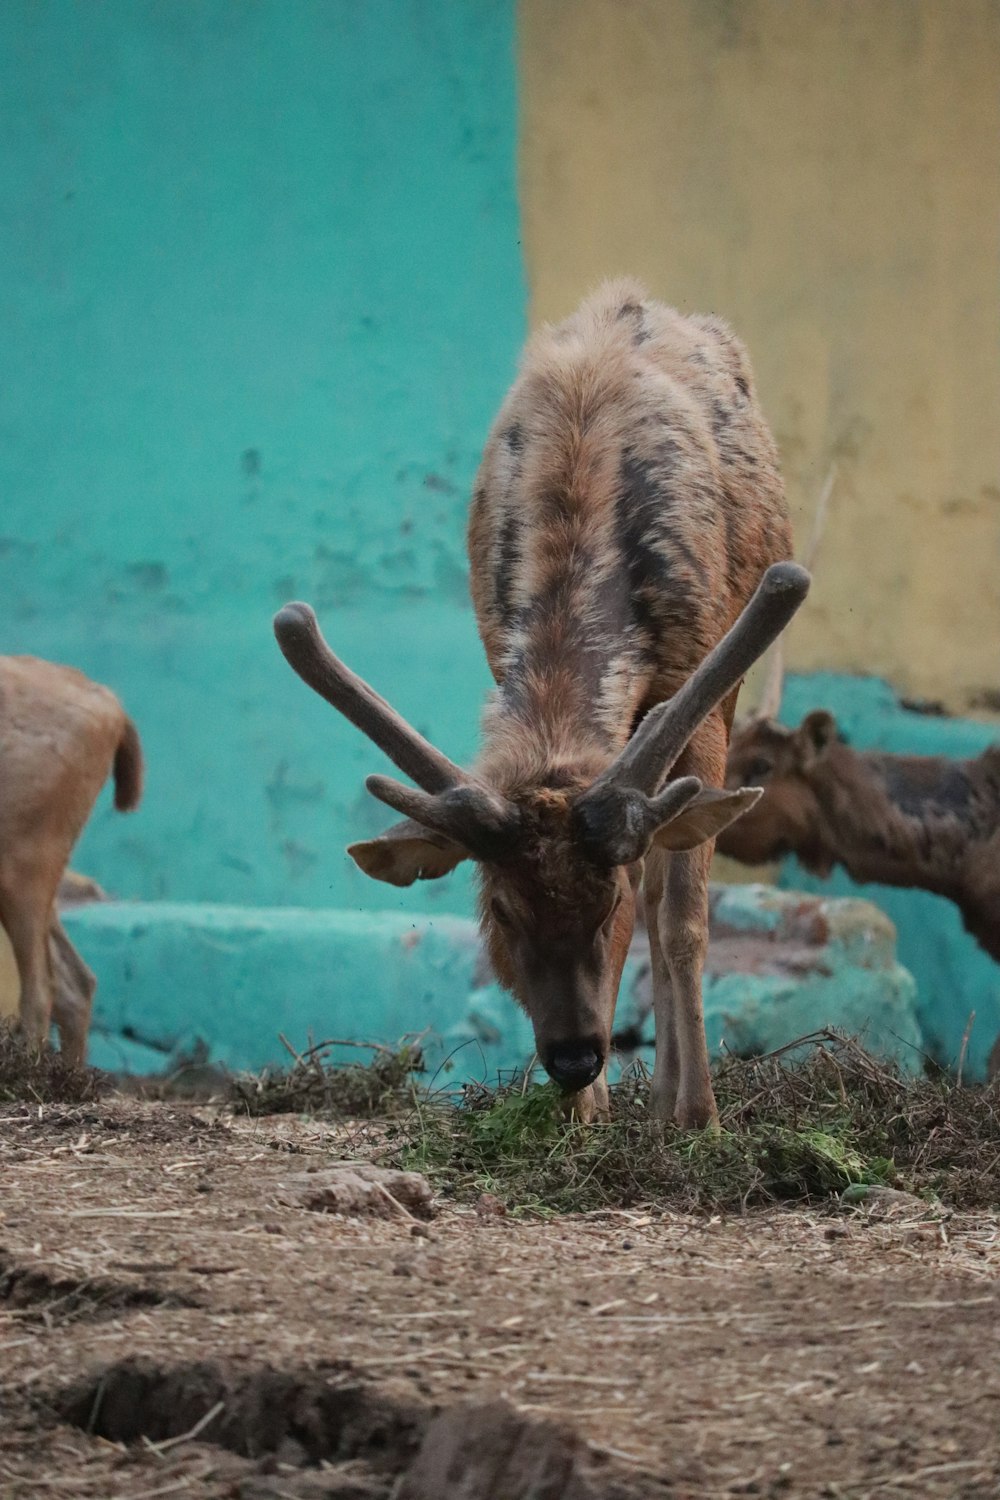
60, 1298
491, 1452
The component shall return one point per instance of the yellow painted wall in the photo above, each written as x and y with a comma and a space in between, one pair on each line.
825, 174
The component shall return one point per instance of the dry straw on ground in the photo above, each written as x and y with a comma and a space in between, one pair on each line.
804, 1124
802, 1348
41, 1078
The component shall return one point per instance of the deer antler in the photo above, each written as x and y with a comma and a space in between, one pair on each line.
451, 801
770, 697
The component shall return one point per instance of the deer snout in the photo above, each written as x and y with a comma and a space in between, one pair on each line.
573, 1064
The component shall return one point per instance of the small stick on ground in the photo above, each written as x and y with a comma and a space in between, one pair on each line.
192, 1432
964, 1048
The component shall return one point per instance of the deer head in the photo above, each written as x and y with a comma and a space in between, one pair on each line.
559, 858
786, 763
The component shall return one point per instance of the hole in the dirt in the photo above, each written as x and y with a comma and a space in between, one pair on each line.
62, 1298
304, 1416
308, 1417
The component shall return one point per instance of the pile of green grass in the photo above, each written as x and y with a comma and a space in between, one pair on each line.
812, 1122
819, 1119
800, 1130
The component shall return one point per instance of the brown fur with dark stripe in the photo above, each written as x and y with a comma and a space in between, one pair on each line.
622, 534
627, 506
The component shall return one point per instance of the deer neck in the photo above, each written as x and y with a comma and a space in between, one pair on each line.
896, 820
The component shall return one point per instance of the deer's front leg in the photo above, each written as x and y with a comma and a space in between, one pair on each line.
663, 1093
684, 936
685, 1091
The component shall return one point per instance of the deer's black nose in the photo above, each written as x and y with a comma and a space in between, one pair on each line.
573, 1064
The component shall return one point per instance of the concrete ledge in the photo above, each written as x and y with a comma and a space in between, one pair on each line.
225, 981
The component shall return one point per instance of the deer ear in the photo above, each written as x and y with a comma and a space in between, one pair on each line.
815, 735
705, 817
407, 852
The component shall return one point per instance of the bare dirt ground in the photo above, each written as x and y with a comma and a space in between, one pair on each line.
171, 1325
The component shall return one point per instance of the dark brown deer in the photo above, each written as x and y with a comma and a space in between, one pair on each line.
627, 506
61, 736
904, 820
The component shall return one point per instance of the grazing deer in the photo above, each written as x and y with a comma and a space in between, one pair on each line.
903, 820
627, 506
61, 735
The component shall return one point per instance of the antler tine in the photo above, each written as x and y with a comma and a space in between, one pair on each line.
615, 827
307, 653
769, 705
484, 823
666, 729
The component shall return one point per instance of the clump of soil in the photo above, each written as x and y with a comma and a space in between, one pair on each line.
42, 1077
316, 1086
477, 1452
360, 1188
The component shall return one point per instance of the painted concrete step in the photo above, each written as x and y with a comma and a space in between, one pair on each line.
225, 983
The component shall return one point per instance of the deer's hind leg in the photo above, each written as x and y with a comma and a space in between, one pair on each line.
25, 912
73, 985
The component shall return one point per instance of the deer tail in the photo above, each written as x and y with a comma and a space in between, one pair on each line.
128, 768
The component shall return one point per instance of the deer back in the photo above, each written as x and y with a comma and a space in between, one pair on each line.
627, 505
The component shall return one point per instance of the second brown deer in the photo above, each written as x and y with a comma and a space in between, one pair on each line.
627, 507
905, 820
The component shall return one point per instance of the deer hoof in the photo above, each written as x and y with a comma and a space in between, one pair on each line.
698, 1113
662, 1104
579, 1107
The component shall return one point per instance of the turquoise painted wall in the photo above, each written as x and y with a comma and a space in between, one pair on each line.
954, 976
261, 295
